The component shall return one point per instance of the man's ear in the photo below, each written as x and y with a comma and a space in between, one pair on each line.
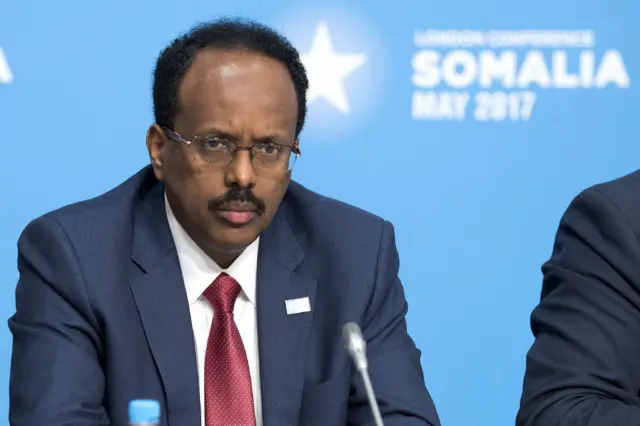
156, 141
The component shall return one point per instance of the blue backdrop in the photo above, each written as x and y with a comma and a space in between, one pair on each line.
469, 124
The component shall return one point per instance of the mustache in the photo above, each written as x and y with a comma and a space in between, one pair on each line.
238, 195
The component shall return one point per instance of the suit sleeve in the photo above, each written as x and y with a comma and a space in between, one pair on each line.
394, 360
584, 365
56, 377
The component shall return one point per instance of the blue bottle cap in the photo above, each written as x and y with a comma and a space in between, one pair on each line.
144, 411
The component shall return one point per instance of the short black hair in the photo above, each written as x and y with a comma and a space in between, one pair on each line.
226, 33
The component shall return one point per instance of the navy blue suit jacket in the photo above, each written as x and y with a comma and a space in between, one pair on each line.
584, 366
102, 316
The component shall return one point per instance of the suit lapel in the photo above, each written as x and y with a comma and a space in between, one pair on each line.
283, 339
161, 299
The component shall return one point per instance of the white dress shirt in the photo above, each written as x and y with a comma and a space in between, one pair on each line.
198, 272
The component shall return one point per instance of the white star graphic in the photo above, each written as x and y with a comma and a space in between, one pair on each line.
327, 70
5, 72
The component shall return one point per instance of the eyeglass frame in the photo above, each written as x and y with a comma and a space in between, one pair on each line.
177, 137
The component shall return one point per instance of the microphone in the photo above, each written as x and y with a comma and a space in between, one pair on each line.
357, 348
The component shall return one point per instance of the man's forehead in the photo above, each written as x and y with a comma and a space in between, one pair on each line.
229, 62
234, 82
216, 70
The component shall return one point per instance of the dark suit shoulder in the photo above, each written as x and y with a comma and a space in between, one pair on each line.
589, 304
610, 203
102, 224
320, 206
108, 202
106, 209
331, 225
623, 191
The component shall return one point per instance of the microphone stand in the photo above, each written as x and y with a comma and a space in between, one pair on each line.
356, 346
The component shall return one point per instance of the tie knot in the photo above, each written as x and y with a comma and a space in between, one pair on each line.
222, 293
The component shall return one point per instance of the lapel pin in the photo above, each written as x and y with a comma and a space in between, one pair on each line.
297, 306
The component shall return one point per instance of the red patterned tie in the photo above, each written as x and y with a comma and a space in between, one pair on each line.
227, 383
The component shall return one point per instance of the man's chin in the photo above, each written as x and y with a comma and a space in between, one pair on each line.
235, 240
226, 249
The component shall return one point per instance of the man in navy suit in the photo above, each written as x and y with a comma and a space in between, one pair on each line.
210, 281
584, 366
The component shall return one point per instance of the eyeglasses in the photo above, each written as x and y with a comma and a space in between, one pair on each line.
220, 152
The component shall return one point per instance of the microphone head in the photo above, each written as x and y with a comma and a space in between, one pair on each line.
349, 331
355, 345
